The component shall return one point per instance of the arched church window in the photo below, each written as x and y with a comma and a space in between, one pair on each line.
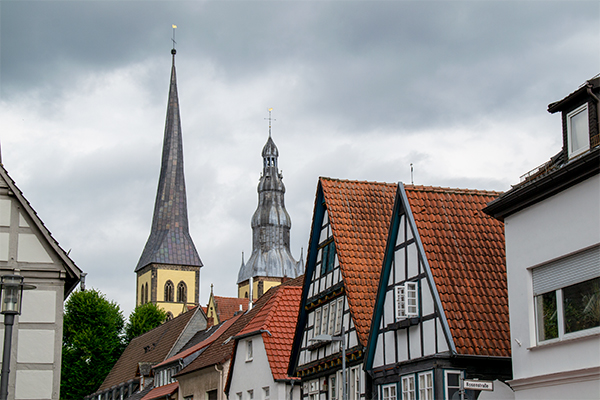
169, 315
147, 298
169, 289
142, 295
181, 292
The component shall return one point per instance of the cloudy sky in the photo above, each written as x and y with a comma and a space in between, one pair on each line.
359, 90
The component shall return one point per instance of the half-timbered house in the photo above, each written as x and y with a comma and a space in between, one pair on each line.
347, 242
441, 313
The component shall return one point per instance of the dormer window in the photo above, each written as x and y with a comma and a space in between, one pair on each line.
578, 133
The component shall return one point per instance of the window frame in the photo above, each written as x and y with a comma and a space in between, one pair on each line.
560, 317
249, 351
404, 295
460, 379
405, 392
570, 115
389, 396
426, 374
169, 291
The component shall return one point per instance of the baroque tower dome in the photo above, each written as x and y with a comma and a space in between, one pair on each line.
271, 258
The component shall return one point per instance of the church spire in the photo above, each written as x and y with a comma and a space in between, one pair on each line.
170, 241
271, 223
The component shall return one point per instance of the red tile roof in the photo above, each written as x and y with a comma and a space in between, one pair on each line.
152, 347
226, 307
360, 215
465, 250
199, 346
161, 391
279, 317
222, 348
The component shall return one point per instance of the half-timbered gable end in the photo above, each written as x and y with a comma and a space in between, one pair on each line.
348, 234
441, 313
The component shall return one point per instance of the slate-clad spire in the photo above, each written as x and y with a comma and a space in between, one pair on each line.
271, 223
170, 241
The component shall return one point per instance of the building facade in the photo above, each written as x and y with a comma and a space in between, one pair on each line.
441, 314
345, 254
168, 272
271, 261
552, 232
28, 249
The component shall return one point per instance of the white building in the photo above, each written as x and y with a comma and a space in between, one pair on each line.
28, 249
552, 228
262, 350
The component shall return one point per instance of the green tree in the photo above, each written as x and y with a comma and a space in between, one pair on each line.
92, 342
145, 317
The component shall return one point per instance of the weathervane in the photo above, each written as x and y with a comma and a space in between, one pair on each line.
270, 119
173, 38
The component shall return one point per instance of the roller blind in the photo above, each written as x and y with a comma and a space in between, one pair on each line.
567, 271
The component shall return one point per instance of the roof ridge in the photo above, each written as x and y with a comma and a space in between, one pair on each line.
442, 189
356, 181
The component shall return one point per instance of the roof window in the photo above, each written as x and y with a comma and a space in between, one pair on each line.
578, 133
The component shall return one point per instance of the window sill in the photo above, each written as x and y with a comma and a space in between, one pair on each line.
574, 337
249, 360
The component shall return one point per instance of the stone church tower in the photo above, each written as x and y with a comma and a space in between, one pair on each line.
168, 272
271, 261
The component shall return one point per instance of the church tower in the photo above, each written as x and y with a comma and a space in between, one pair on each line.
168, 272
271, 261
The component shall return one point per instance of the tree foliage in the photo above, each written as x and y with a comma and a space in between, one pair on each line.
145, 317
92, 342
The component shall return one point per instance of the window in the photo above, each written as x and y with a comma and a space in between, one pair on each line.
181, 292
407, 304
317, 326
212, 394
169, 315
354, 381
250, 394
328, 257
249, 350
408, 387
325, 319
568, 310
578, 134
426, 386
169, 291
266, 393
333, 387
146, 297
142, 295
238, 396
388, 392
567, 296
313, 390
339, 313
452, 383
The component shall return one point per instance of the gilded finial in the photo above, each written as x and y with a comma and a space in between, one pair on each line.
270, 120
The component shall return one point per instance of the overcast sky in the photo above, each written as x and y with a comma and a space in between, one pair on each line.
359, 90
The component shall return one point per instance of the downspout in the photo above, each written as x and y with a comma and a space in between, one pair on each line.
220, 391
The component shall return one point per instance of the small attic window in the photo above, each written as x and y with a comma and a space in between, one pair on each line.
578, 133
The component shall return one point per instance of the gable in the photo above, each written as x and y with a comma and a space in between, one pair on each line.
25, 239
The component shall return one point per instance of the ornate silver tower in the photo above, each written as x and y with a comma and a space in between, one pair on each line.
271, 261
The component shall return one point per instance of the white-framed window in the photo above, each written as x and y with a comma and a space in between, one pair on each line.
317, 326
334, 388
578, 131
339, 314
266, 393
250, 394
313, 390
238, 396
354, 383
325, 319
332, 314
407, 300
567, 311
426, 385
451, 383
388, 392
567, 296
249, 351
408, 387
